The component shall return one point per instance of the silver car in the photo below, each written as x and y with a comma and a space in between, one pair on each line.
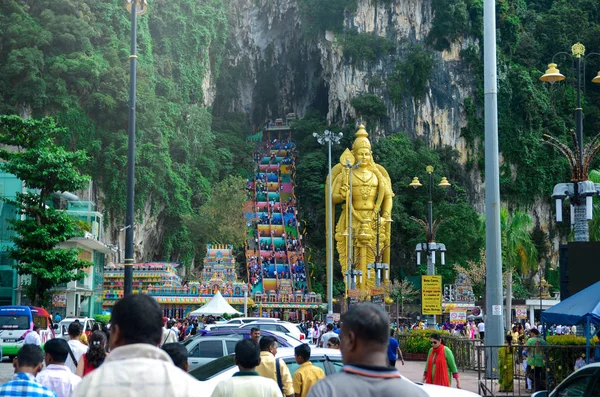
208, 348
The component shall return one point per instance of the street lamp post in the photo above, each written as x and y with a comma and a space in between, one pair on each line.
580, 191
135, 7
430, 247
329, 138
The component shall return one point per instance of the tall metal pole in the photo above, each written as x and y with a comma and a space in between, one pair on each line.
128, 276
581, 227
329, 238
429, 239
493, 319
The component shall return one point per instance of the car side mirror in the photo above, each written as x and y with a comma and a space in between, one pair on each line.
542, 393
55, 326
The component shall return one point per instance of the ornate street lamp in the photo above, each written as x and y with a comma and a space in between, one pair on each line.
135, 7
329, 138
430, 247
580, 191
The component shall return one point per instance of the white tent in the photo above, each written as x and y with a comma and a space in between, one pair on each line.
217, 306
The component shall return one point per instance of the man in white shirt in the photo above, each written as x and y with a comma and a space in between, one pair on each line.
481, 327
33, 337
168, 334
527, 326
57, 376
136, 366
77, 348
327, 335
247, 382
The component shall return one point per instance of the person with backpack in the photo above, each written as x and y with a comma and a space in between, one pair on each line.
273, 368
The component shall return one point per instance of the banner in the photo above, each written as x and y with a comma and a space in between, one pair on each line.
59, 300
521, 312
353, 297
431, 295
378, 296
458, 316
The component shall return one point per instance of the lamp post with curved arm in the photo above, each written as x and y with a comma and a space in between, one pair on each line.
580, 191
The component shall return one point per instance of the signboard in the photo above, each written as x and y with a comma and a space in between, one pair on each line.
336, 317
496, 310
353, 297
378, 296
458, 316
330, 319
431, 295
59, 300
521, 312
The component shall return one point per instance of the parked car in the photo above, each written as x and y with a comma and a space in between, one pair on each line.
280, 326
585, 382
237, 322
206, 349
329, 360
62, 328
284, 340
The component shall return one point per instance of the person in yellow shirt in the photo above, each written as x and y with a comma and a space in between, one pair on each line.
272, 368
307, 375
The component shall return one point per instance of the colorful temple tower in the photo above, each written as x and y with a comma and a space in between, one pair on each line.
274, 251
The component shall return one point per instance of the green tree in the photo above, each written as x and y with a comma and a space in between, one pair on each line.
221, 219
594, 224
45, 168
403, 291
519, 253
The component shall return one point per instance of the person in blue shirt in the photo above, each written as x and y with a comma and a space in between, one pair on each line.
57, 318
394, 350
23, 384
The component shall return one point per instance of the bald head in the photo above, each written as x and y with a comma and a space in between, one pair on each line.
368, 323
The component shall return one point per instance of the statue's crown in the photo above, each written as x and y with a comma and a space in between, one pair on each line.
362, 140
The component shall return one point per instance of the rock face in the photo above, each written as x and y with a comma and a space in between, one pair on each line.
280, 71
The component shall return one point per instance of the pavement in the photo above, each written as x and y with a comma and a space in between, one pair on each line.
413, 370
6, 370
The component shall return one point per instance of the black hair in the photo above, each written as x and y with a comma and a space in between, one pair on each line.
266, 342
97, 351
303, 350
391, 332
534, 331
329, 327
139, 319
254, 329
30, 356
58, 349
334, 340
178, 354
247, 353
36, 327
368, 323
436, 336
75, 329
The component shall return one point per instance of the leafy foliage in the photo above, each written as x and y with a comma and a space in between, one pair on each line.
366, 47
369, 106
45, 168
410, 77
319, 16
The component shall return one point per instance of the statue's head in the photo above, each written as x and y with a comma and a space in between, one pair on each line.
361, 148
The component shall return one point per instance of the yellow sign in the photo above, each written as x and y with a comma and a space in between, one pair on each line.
431, 295
354, 293
377, 290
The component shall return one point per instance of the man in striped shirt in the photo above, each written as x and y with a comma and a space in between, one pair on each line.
366, 373
23, 384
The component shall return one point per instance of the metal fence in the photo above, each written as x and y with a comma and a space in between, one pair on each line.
513, 374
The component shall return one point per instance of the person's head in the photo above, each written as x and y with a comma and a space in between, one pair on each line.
302, 353
97, 349
255, 334
36, 328
57, 351
74, 330
30, 359
268, 343
96, 327
364, 333
534, 332
247, 355
333, 342
178, 354
136, 318
170, 324
435, 340
329, 327
508, 339
391, 332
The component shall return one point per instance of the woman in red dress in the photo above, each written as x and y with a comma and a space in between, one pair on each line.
95, 355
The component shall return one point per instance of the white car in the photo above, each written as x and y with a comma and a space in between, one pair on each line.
329, 360
62, 328
279, 326
237, 322
585, 382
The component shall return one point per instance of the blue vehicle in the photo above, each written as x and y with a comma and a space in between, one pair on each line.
17, 321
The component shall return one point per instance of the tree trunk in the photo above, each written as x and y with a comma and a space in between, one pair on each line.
509, 302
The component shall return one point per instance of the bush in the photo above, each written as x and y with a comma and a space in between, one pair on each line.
568, 340
410, 77
369, 106
417, 341
365, 47
102, 318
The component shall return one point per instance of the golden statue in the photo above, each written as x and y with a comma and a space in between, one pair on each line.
370, 204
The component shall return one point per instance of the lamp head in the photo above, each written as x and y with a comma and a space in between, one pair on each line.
596, 79
415, 183
444, 182
552, 74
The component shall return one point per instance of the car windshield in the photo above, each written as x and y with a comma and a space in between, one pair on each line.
207, 371
14, 322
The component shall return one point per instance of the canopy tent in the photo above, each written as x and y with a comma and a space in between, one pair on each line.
581, 308
217, 306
